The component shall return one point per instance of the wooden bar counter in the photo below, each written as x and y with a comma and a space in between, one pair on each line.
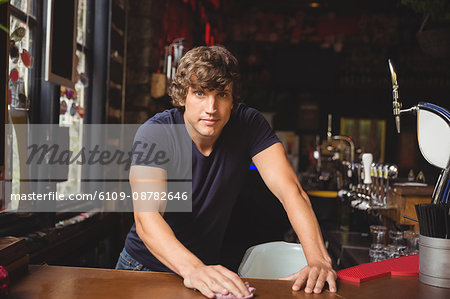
72, 282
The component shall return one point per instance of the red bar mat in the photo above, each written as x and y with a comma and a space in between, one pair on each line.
402, 266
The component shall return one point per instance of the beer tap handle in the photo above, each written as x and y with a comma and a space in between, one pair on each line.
329, 134
386, 186
396, 105
367, 162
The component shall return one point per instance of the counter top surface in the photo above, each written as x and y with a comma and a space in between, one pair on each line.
73, 282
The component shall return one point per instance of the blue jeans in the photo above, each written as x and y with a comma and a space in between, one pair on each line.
126, 262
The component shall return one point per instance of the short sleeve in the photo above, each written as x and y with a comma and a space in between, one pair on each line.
151, 146
259, 134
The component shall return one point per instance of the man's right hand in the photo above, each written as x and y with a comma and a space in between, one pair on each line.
215, 279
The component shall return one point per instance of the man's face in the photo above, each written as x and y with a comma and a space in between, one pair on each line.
208, 111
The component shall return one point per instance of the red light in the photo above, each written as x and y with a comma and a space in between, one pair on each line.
215, 3
207, 32
202, 13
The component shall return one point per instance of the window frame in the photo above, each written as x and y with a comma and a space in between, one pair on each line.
44, 96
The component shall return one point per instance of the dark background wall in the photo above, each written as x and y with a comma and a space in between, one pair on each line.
334, 56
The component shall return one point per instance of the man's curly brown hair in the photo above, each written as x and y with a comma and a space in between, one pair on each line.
208, 68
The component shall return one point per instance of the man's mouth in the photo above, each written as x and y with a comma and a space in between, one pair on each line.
208, 121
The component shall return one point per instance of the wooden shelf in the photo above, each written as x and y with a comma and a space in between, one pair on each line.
114, 113
116, 29
115, 86
403, 200
115, 56
120, 4
117, 61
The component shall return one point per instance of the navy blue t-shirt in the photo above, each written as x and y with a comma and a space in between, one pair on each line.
216, 182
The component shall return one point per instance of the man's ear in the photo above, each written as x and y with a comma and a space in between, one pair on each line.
234, 106
183, 103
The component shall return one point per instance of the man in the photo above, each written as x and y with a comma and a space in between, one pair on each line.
225, 137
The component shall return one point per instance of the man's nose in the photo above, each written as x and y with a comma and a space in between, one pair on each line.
211, 104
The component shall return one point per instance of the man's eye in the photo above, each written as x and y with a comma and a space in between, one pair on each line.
199, 93
223, 94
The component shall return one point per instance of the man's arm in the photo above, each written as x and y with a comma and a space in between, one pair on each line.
161, 241
281, 179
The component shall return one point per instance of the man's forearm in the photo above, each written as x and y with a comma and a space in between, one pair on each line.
153, 230
160, 240
304, 222
281, 179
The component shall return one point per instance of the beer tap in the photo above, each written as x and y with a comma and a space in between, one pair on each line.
330, 137
390, 172
433, 135
367, 162
358, 195
374, 176
396, 104
381, 187
375, 185
360, 176
386, 185
350, 143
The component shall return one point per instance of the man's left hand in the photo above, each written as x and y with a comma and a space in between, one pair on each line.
314, 276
